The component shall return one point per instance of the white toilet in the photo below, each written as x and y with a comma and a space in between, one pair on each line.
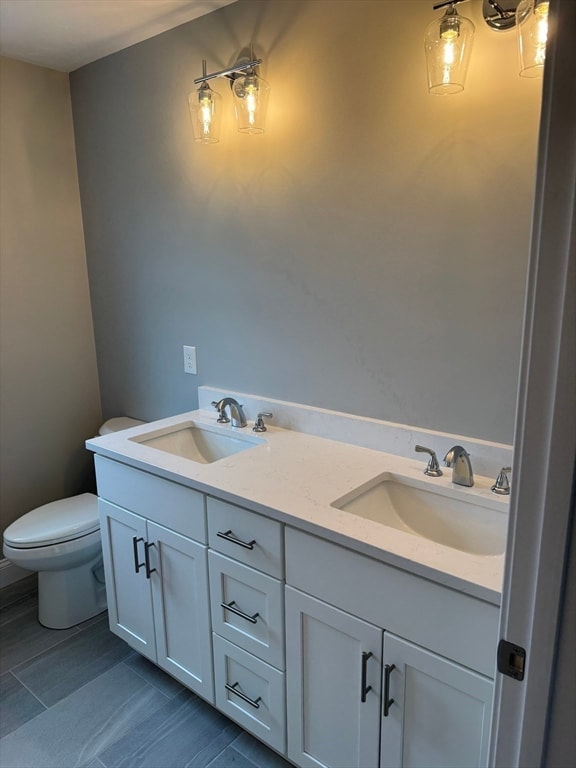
61, 541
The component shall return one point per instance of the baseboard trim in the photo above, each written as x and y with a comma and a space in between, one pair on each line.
10, 573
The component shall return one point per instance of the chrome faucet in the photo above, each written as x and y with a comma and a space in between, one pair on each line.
237, 416
459, 459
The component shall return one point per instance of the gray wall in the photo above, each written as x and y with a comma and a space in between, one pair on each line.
367, 254
49, 386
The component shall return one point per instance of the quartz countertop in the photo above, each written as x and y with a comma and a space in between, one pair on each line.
294, 477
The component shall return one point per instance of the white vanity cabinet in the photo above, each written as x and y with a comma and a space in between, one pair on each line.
156, 574
376, 656
331, 657
246, 565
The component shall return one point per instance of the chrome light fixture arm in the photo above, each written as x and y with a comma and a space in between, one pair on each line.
447, 4
230, 72
500, 15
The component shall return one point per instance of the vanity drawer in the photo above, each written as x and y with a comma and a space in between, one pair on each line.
254, 618
175, 506
246, 536
250, 692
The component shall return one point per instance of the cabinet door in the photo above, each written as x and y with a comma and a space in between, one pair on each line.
329, 673
441, 712
181, 608
127, 588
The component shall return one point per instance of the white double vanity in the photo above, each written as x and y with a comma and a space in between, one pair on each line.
327, 596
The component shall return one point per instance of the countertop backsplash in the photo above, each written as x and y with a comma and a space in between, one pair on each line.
487, 458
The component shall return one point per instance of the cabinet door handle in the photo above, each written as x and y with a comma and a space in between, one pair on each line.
137, 565
230, 607
149, 570
234, 689
229, 536
363, 689
388, 669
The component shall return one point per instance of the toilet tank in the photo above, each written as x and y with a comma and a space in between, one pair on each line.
118, 423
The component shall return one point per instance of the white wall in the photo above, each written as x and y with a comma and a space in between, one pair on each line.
49, 386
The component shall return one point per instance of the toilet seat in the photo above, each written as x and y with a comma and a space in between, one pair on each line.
55, 523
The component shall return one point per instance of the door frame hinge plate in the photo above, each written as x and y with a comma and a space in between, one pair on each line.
511, 659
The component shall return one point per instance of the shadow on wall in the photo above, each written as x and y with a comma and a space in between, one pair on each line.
285, 16
79, 475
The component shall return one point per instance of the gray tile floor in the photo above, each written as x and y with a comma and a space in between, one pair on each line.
81, 697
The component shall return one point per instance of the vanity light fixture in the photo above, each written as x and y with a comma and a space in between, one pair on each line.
448, 44
448, 40
250, 93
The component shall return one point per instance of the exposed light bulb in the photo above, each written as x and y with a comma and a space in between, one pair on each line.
251, 102
448, 53
206, 114
541, 13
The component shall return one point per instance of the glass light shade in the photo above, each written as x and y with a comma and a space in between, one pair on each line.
532, 25
205, 113
250, 102
448, 44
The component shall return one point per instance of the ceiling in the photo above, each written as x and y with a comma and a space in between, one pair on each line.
66, 34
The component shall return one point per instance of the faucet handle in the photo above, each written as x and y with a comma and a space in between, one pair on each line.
259, 425
502, 484
433, 468
222, 418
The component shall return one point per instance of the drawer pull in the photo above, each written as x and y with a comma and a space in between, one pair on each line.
229, 536
388, 669
147, 559
230, 607
137, 565
253, 702
363, 689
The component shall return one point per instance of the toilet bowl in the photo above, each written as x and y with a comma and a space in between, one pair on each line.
61, 541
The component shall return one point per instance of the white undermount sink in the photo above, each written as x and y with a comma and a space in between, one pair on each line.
197, 442
470, 524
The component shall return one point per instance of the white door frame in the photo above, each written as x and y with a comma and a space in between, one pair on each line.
545, 434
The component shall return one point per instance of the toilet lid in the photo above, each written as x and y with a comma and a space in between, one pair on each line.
55, 522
